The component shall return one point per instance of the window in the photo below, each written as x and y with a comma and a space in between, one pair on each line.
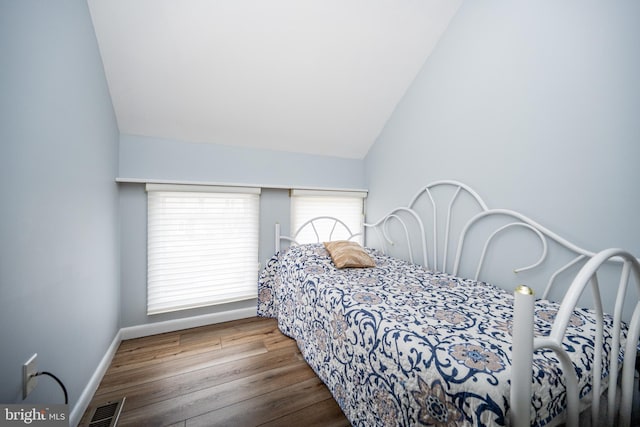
348, 206
202, 246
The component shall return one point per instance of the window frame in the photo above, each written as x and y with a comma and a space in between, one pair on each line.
173, 285
354, 220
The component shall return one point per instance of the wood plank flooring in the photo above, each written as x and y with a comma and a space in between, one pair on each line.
240, 373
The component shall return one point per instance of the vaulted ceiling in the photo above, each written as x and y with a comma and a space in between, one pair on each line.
310, 76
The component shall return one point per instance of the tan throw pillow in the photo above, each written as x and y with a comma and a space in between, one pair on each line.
345, 254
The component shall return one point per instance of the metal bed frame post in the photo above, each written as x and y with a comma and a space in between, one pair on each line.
524, 344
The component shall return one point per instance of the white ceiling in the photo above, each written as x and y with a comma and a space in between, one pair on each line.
311, 76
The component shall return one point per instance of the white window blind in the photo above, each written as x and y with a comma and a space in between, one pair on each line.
202, 246
348, 206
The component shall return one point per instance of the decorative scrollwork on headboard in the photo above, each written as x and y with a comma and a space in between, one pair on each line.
381, 227
504, 227
544, 235
335, 225
458, 188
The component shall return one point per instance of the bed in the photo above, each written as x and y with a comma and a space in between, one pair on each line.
411, 341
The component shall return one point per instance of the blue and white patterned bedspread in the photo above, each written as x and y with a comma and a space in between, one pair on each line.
400, 345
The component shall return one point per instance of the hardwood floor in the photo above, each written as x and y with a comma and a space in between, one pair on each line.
240, 373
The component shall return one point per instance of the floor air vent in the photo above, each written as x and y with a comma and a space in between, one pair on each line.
107, 415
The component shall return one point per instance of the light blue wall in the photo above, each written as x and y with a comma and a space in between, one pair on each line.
534, 104
59, 264
146, 157
153, 158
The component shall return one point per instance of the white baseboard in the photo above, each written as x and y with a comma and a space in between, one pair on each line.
87, 394
186, 323
142, 331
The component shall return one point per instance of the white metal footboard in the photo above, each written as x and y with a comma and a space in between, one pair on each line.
524, 342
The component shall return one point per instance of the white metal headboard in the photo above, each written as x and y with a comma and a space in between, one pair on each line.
543, 234
433, 252
381, 227
457, 188
411, 222
335, 225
